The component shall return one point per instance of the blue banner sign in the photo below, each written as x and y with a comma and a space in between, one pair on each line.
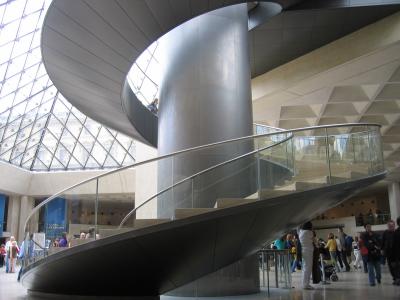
55, 218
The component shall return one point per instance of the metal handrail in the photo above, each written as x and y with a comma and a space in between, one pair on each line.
189, 150
198, 174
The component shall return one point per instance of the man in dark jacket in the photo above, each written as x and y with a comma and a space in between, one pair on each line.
343, 253
387, 246
372, 241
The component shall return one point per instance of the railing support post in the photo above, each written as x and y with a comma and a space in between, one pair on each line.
258, 175
328, 160
96, 208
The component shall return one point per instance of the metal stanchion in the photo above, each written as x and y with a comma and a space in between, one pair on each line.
276, 269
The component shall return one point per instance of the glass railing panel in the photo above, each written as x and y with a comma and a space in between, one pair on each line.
116, 197
376, 151
311, 167
207, 178
66, 221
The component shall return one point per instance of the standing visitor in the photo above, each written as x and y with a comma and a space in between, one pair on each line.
63, 241
2, 255
372, 243
343, 252
332, 248
14, 250
316, 273
357, 254
387, 246
8, 249
307, 249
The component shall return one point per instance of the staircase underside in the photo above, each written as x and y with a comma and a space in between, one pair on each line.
154, 260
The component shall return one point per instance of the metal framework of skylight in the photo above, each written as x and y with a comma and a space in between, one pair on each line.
39, 129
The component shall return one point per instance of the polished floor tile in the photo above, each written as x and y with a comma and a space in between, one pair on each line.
351, 286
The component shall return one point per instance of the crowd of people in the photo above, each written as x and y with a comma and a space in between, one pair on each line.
367, 252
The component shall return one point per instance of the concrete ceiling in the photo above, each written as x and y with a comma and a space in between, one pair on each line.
294, 33
365, 88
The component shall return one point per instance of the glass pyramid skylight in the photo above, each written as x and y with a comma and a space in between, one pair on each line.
39, 128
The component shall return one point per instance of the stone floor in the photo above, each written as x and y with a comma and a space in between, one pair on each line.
351, 286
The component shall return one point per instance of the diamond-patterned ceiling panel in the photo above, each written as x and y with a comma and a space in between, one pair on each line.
39, 129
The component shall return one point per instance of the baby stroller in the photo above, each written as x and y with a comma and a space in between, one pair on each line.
329, 268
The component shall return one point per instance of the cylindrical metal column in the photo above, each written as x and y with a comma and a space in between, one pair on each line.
205, 97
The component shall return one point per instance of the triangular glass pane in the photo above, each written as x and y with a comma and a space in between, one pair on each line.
99, 153
80, 154
10, 85
118, 152
92, 163
7, 144
45, 108
28, 23
45, 155
9, 131
92, 126
124, 140
40, 84
132, 150
64, 101
74, 126
81, 117
55, 126
68, 140
6, 102
74, 164
27, 164
19, 149
40, 124
128, 160
16, 65
86, 139
1, 132
34, 101
30, 153
6, 155
23, 134
109, 163
34, 139
17, 160
28, 75
17, 111
39, 166
60, 111
105, 138
50, 93
22, 43
62, 154
56, 165
29, 118
49, 141
23, 93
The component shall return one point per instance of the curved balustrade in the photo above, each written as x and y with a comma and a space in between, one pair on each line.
272, 164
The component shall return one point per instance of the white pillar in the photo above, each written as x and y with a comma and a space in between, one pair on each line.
146, 182
27, 204
14, 206
394, 200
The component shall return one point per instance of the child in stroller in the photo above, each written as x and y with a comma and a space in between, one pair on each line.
329, 267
